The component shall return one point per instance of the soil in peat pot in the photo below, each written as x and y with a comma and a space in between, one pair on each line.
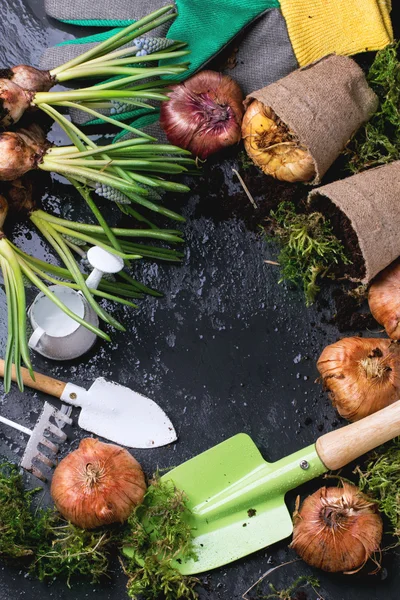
219, 202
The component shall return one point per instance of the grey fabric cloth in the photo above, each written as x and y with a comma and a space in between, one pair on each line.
370, 200
101, 10
265, 54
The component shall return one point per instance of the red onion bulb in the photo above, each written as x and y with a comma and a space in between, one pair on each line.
204, 114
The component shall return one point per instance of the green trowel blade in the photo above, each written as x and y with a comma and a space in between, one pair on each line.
237, 499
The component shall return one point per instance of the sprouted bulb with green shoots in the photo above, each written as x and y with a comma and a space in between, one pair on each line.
120, 57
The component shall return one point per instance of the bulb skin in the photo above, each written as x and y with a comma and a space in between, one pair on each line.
273, 147
14, 101
384, 299
21, 151
203, 114
31, 79
337, 529
97, 484
361, 374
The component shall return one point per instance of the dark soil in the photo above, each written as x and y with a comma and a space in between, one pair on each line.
221, 204
345, 233
350, 315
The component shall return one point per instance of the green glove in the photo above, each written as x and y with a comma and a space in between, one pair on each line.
207, 26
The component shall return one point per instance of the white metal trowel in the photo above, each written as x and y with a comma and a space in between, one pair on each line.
109, 410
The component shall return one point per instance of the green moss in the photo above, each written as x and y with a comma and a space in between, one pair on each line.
287, 594
378, 142
73, 552
381, 480
22, 528
157, 534
309, 248
245, 161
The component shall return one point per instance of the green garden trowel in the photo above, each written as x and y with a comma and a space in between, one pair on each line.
237, 499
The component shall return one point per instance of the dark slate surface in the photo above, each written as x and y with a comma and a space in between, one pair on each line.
226, 350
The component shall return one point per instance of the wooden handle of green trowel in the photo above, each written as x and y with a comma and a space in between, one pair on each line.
337, 448
45, 384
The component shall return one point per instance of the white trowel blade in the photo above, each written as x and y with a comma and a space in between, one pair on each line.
121, 415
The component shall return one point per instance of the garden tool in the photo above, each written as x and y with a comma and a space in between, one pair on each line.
39, 436
238, 500
109, 410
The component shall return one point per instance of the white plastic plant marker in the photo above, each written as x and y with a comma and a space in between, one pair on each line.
58, 336
102, 262
110, 410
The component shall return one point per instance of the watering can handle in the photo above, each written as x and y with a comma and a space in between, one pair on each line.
45, 384
337, 448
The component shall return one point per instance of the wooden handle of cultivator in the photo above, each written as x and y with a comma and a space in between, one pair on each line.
45, 384
337, 448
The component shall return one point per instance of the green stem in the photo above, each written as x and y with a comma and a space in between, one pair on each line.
9, 255
126, 147
75, 286
91, 175
124, 81
84, 192
124, 58
86, 238
55, 239
101, 116
168, 235
118, 39
115, 84
134, 74
139, 164
11, 309
42, 268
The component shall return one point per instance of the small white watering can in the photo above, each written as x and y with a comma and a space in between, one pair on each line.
58, 336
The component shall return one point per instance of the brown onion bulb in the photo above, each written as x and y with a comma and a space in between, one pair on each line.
362, 375
273, 147
97, 484
384, 299
17, 156
19, 194
337, 529
14, 101
31, 79
203, 114
21, 151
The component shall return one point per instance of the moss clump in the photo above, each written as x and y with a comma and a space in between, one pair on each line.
309, 247
22, 528
380, 480
73, 552
158, 533
378, 142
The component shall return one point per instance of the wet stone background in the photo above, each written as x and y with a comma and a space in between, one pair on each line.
226, 350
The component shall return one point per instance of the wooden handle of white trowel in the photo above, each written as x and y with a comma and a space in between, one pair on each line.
337, 448
45, 384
